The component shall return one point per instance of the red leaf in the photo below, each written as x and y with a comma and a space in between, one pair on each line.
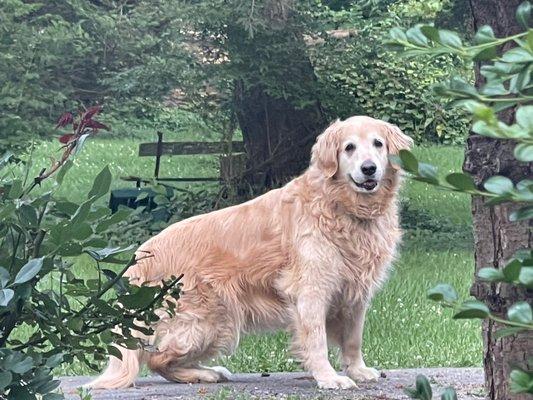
66, 138
95, 125
91, 112
64, 120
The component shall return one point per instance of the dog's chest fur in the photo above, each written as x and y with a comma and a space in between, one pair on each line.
365, 249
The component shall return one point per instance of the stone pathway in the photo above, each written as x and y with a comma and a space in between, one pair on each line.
292, 386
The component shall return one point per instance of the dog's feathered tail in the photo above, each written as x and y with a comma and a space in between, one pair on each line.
119, 373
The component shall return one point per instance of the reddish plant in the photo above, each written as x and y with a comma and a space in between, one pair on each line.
83, 126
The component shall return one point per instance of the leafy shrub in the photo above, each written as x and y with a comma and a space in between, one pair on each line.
362, 77
68, 314
434, 232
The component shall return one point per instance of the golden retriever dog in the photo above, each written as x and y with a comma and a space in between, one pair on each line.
307, 257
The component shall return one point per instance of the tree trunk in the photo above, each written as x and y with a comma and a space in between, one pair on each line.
277, 135
277, 104
497, 239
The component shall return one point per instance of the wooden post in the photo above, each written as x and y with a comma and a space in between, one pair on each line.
158, 153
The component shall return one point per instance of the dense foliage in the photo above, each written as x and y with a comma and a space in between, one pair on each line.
134, 55
361, 76
508, 84
58, 53
67, 314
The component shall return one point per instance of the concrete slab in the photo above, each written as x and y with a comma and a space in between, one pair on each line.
467, 381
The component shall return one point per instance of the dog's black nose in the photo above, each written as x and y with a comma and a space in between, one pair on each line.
368, 168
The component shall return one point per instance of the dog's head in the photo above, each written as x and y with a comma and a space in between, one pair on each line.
357, 150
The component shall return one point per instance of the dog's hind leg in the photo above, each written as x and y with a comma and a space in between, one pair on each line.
201, 329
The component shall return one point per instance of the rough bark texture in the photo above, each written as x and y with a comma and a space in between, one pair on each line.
497, 239
277, 135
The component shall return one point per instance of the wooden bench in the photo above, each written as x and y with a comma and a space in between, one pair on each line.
232, 160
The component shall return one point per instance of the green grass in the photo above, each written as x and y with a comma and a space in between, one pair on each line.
404, 329
448, 205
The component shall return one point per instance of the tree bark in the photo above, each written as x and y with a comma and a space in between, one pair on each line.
276, 104
496, 238
278, 136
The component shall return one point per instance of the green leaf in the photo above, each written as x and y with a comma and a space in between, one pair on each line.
29, 270
398, 34
113, 351
489, 53
461, 181
102, 254
101, 183
524, 152
472, 309
5, 379
409, 161
517, 55
23, 366
63, 171
499, 185
491, 274
5, 297
423, 388
524, 117
485, 34
76, 324
415, 36
508, 331
4, 277
80, 142
428, 172
512, 270
520, 312
521, 214
81, 231
443, 292
450, 39
140, 299
54, 360
16, 189
430, 32
28, 215
448, 394
69, 249
523, 14
521, 381
526, 277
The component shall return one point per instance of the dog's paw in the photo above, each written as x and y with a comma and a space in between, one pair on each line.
362, 374
336, 382
223, 372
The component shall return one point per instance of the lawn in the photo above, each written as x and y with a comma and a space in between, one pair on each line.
404, 329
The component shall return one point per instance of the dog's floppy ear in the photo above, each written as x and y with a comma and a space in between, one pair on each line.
325, 151
397, 140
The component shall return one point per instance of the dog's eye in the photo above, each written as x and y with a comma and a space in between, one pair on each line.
378, 143
349, 147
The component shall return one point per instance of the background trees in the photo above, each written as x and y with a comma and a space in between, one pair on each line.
274, 71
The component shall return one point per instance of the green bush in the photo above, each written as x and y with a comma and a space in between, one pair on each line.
360, 76
68, 315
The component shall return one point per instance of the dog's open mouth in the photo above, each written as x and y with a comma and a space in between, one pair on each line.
369, 184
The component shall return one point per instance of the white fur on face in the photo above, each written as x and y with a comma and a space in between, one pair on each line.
357, 149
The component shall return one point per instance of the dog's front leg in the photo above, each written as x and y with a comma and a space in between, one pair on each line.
311, 340
352, 355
